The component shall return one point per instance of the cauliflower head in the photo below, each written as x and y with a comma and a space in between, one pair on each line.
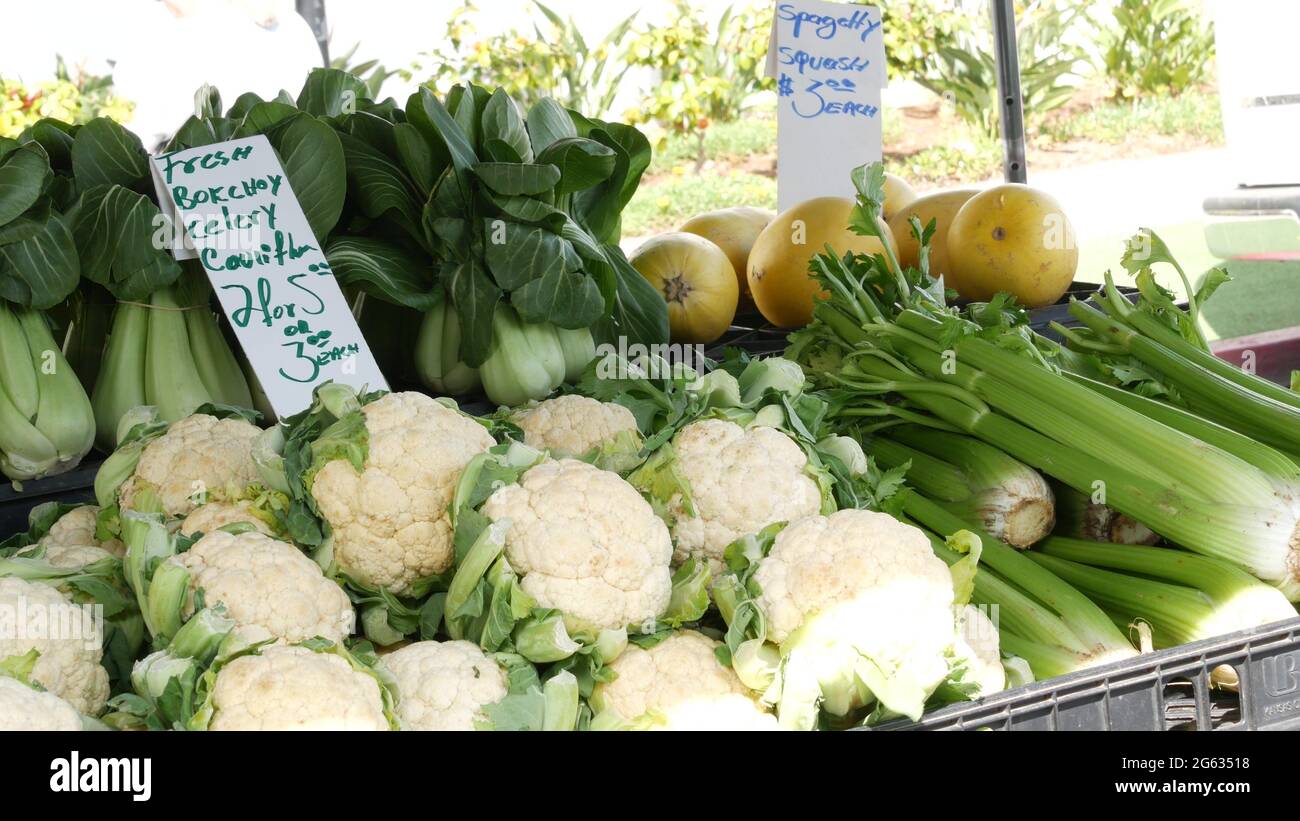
584, 541
198, 455
978, 648
860, 584
573, 426
270, 588
444, 685
390, 520
295, 688
69, 640
23, 709
679, 685
741, 480
216, 515
71, 541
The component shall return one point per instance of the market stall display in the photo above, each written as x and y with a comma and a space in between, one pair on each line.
908, 499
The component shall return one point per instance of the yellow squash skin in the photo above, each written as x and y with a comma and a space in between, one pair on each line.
1012, 238
898, 195
778, 274
734, 230
696, 279
942, 207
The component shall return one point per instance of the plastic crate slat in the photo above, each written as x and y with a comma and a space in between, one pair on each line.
1131, 694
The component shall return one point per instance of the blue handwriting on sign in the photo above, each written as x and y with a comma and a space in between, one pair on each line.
826, 26
819, 90
804, 60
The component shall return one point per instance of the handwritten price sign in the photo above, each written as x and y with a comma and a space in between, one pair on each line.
829, 63
244, 224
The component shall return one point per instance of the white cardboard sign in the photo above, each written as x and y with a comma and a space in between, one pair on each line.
829, 63
246, 227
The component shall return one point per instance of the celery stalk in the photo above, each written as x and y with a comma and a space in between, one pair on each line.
1238, 599
1163, 335
1272, 461
1246, 410
1085, 619
1077, 515
972, 479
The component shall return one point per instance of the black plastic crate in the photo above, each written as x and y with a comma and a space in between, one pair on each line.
72, 487
1166, 690
754, 334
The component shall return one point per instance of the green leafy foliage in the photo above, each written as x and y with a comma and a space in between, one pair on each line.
39, 266
708, 70
965, 73
553, 60
1157, 47
72, 96
915, 29
506, 216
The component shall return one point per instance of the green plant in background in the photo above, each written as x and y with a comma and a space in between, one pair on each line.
553, 61
677, 198
1193, 115
966, 75
70, 97
370, 72
915, 29
941, 165
1157, 47
707, 74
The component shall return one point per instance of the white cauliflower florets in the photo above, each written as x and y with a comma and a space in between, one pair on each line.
71, 541
585, 542
861, 582
197, 456
572, 426
741, 480
67, 636
294, 688
216, 515
680, 682
270, 589
390, 520
22, 708
978, 646
444, 685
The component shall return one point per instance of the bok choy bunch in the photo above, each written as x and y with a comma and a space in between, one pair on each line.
499, 225
163, 345
46, 424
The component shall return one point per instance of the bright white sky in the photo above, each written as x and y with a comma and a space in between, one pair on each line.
162, 58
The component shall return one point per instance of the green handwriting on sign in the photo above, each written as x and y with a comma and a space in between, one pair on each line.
248, 231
